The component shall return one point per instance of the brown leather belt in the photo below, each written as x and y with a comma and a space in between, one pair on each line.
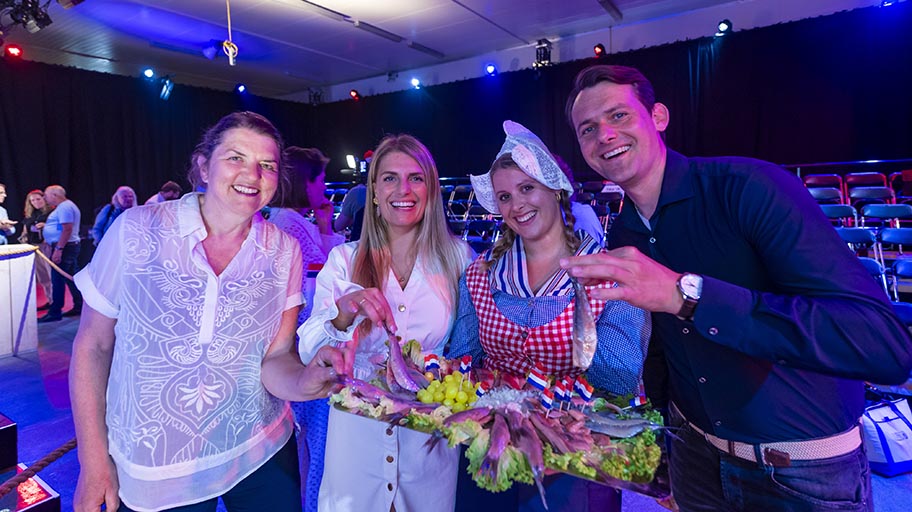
783, 452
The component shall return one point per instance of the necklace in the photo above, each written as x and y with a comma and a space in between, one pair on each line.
402, 275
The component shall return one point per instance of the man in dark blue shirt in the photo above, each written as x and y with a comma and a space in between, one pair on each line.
768, 323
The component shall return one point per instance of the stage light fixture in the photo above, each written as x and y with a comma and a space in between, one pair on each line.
352, 163
724, 27
13, 50
149, 73
542, 53
30, 14
167, 85
599, 51
355, 95
416, 83
491, 70
887, 3
241, 88
316, 95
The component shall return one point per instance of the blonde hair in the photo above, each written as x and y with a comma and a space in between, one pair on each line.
438, 250
508, 236
29, 209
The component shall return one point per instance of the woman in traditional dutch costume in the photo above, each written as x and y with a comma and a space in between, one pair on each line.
516, 303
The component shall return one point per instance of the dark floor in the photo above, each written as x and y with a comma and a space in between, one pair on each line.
34, 393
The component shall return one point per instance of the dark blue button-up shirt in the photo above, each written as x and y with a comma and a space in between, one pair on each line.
789, 322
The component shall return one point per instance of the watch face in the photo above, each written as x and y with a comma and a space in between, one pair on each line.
691, 285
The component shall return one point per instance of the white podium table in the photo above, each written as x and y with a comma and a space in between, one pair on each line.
18, 319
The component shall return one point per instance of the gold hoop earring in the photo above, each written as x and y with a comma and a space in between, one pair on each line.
377, 203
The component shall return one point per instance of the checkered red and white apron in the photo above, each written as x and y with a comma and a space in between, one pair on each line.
515, 349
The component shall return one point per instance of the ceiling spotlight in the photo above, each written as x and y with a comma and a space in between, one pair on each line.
724, 27
887, 3
599, 50
30, 15
316, 95
167, 85
355, 95
241, 88
148, 73
350, 160
542, 53
416, 83
491, 70
13, 50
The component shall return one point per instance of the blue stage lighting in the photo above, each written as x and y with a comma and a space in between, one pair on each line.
724, 27
416, 83
148, 73
240, 88
167, 85
491, 69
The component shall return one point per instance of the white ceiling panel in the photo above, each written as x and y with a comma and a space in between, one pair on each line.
287, 46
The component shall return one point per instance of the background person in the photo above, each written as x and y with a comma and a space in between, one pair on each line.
304, 194
402, 274
61, 232
516, 305
352, 210
169, 192
35, 215
185, 357
123, 199
768, 323
7, 226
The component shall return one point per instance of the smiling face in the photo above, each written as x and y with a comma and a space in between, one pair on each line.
242, 174
529, 208
401, 191
618, 136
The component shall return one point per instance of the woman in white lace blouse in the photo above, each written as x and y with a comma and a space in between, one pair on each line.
185, 355
403, 274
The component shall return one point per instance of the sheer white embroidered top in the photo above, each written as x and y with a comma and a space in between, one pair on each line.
187, 414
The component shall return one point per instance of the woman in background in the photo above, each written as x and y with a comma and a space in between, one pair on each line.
306, 184
34, 215
401, 275
123, 199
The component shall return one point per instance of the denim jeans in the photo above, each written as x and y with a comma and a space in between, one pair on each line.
68, 261
274, 486
704, 478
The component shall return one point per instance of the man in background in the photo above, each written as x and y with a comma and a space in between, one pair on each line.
7, 227
61, 232
169, 191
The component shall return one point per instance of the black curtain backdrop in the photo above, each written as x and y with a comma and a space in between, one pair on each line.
825, 89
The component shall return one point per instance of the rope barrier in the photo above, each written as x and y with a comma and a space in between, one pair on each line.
54, 265
32, 470
17, 253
